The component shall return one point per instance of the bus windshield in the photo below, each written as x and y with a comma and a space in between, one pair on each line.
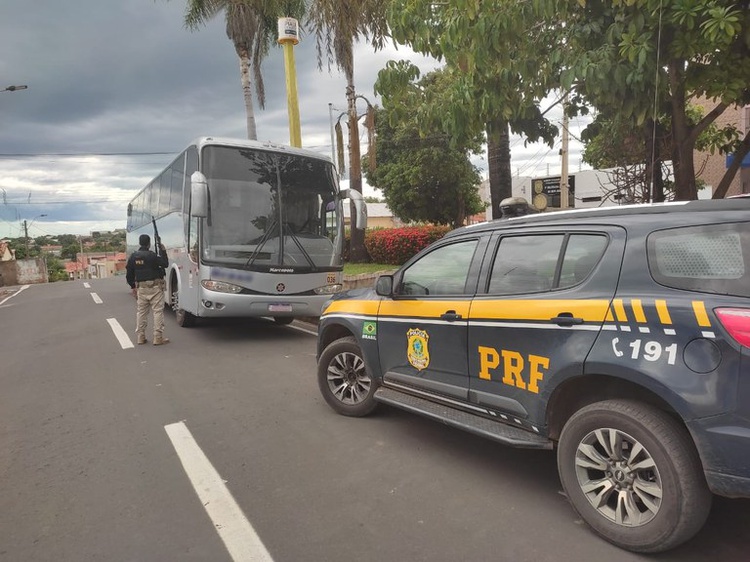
270, 211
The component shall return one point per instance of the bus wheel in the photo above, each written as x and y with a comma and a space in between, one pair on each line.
184, 318
283, 320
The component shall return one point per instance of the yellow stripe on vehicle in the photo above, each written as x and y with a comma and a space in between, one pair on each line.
640, 316
352, 307
620, 313
589, 310
663, 312
700, 314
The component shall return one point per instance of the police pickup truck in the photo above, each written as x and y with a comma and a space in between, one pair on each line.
618, 336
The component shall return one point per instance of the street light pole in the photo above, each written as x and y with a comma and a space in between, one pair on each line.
26, 232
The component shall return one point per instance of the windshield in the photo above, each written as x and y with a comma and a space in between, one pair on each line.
271, 211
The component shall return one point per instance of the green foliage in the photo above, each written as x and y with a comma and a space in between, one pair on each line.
55, 269
396, 245
424, 174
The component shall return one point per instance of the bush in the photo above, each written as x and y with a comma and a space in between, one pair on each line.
396, 245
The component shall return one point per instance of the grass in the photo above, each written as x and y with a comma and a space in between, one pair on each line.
357, 268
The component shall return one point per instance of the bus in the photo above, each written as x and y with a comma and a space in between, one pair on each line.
251, 229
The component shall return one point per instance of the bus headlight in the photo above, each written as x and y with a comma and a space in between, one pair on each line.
329, 289
221, 286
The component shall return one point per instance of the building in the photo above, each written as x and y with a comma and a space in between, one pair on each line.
97, 265
6, 254
711, 167
378, 216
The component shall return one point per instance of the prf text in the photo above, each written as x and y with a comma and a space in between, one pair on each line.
524, 373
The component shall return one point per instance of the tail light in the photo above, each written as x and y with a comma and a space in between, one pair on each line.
736, 321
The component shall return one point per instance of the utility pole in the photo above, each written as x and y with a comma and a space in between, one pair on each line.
564, 194
26, 237
83, 268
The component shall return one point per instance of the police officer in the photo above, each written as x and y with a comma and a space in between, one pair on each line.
145, 275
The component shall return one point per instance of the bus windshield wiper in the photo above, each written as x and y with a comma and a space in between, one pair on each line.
294, 238
259, 246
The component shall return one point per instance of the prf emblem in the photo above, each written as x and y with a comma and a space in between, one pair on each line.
416, 348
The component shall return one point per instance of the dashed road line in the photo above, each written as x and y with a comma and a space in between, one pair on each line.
120, 334
241, 540
87, 285
97, 298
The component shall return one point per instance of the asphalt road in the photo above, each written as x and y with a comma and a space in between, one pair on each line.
90, 471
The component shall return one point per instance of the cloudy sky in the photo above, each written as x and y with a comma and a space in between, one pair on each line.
117, 89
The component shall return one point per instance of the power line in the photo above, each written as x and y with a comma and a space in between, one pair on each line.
66, 154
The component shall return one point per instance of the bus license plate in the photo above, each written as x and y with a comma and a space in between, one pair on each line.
279, 308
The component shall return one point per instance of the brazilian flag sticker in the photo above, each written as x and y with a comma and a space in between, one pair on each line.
369, 330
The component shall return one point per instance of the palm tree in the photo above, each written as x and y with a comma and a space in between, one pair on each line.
337, 24
251, 26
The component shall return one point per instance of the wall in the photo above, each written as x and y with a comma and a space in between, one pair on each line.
31, 271
8, 273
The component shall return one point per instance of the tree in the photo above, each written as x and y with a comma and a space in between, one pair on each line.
652, 58
337, 25
55, 269
500, 73
424, 179
647, 57
252, 27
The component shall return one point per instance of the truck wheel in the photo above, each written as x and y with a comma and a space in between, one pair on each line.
632, 473
343, 379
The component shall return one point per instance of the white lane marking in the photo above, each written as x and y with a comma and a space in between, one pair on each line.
120, 334
235, 530
97, 298
87, 285
299, 329
14, 294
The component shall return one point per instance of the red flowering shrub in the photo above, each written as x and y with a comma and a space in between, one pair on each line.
396, 245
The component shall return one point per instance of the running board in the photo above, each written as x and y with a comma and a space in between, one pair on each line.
497, 431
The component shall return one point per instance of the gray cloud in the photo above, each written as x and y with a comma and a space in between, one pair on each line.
126, 77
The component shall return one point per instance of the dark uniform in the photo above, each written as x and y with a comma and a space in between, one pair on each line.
145, 273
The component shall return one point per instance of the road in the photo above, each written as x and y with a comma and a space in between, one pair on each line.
100, 445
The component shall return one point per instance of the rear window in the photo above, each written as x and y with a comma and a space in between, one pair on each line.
708, 258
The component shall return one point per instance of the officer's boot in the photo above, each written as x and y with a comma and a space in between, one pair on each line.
160, 340
142, 339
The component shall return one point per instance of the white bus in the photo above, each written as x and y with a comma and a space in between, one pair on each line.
250, 228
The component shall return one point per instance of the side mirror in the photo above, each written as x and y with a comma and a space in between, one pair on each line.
360, 207
384, 286
198, 195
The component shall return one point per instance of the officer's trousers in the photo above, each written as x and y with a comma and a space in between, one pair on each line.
150, 298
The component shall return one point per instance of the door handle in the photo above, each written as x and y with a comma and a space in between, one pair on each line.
450, 316
566, 319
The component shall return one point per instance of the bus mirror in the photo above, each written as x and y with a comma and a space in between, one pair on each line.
360, 207
199, 195
130, 209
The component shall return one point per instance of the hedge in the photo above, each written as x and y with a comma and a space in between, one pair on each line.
396, 245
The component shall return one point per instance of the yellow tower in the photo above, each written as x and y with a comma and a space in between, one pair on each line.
289, 37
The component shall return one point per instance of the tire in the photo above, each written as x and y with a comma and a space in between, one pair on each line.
344, 381
633, 475
184, 319
283, 320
